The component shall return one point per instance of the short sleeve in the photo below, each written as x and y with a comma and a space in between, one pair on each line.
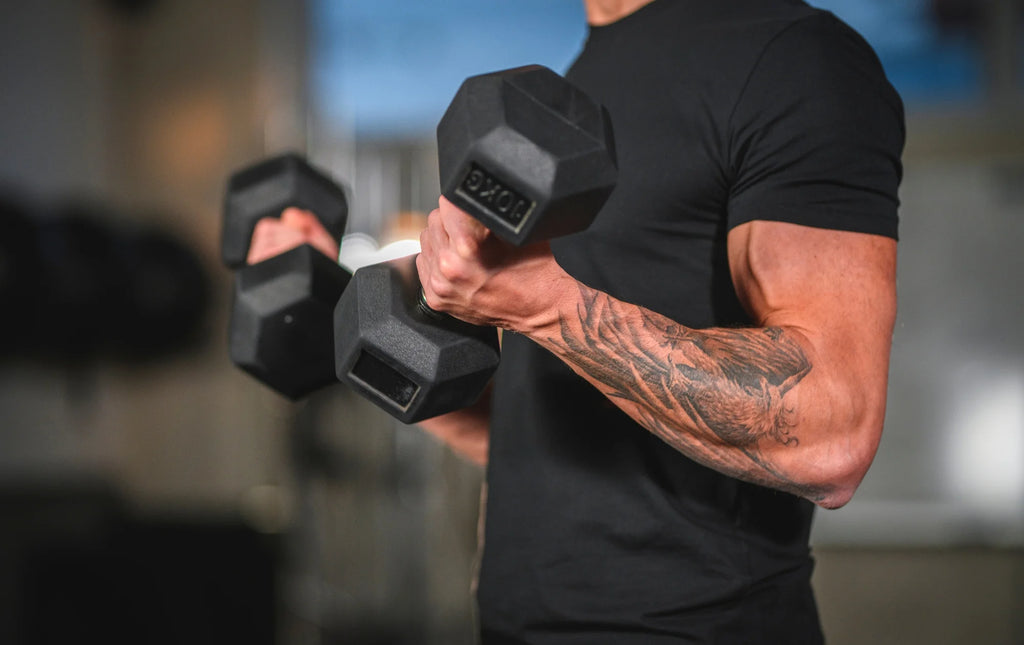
817, 134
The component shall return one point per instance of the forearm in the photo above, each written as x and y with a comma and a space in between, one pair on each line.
465, 431
745, 402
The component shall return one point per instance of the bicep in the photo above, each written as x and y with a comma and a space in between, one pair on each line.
837, 289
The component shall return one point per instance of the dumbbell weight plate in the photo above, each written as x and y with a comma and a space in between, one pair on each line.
414, 362
281, 312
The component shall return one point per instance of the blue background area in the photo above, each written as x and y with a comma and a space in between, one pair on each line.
926, 64
388, 68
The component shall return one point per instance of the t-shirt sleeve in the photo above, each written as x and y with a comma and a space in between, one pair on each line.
817, 134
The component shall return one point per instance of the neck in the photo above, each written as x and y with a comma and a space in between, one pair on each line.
603, 12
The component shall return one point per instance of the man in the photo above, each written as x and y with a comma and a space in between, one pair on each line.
683, 381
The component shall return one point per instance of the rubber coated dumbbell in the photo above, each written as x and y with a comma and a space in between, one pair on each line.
281, 312
530, 156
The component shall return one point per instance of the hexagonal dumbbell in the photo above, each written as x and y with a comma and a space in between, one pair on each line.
530, 156
280, 330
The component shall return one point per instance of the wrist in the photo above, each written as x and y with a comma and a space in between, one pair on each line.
553, 294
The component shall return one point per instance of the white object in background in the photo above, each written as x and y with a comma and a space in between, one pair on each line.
359, 250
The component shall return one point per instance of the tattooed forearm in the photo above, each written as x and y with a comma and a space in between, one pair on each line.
731, 384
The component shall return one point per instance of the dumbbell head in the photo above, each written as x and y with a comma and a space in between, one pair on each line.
412, 362
266, 189
527, 153
281, 320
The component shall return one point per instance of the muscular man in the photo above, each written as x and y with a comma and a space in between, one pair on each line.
681, 383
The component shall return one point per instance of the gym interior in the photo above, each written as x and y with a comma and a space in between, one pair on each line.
151, 492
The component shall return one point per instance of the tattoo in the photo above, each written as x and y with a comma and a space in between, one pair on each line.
731, 383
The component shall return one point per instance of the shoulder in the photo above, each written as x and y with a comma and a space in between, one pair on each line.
733, 51
822, 76
818, 47
816, 133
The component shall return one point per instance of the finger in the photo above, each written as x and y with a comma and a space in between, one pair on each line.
297, 218
311, 229
423, 272
432, 240
269, 238
426, 278
434, 237
466, 233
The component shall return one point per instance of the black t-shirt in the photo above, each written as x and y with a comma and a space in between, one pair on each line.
725, 111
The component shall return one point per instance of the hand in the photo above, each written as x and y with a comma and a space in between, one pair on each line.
273, 236
468, 272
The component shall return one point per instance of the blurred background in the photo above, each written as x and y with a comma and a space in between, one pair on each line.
152, 493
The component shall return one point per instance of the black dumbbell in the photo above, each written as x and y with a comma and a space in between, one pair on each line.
530, 156
281, 311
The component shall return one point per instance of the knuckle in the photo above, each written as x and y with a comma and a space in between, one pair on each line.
467, 246
434, 219
450, 267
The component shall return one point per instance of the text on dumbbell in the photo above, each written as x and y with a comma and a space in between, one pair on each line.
498, 199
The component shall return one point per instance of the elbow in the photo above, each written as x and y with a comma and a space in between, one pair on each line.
836, 488
846, 451
829, 470
837, 497
827, 482
845, 468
